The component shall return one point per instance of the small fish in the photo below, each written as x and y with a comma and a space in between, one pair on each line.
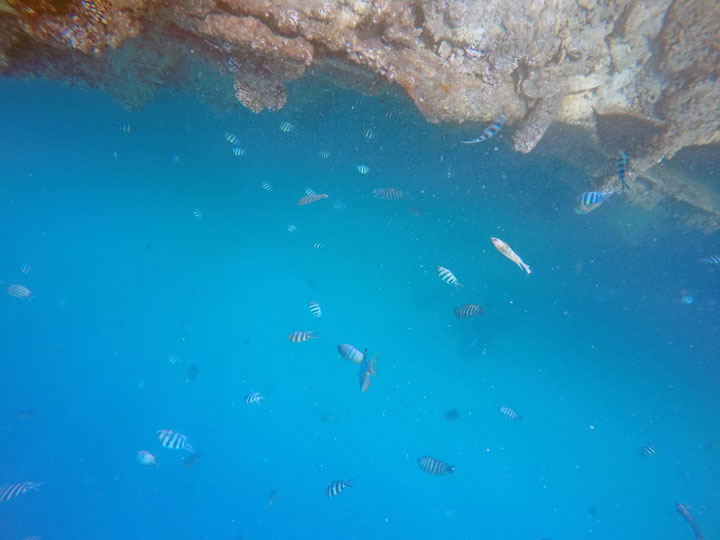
350, 353
254, 397
685, 513
237, 151
319, 245
146, 458
314, 308
448, 277
19, 291
325, 154
308, 199
687, 299
490, 131
369, 133
337, 487
434, 466
451, 415
310, 191
231, 138
367, 367
172, 439
390, 194
286, 127
25, 268
271, 498
267, 186
505, 249
190, 460
197, 214
620, 165
15, 490
175, 361
291, 228
124, 127
299, 337
390, 114
648, 450
712, 259
362, 169
591, 198
509, 413
175, 159
337, 205
468, 310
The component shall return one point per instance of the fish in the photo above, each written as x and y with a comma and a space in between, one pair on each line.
362, 169
369, 133
367, 367
314, 308
647, 450
584, 210
125, 127
172, 439
505, 249
620, 165
25, 268
390, 114
15, 490
434, 466
451, 415
319, 245
490, 131
19, 291
337, 487
146, 458
286, 127
350, 353
310, 191
267, 186
448, 277
509, 413
175, 159
687, 299
712, 259
231, 138
337, 205
197, 214
308, 199
291, 228
299, 337
175, 361
271, 498
237, 151
685, 513
254, 397
325, 154
390, 194
468, 310
592, 198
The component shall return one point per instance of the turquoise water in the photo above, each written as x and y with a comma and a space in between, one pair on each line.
594, 349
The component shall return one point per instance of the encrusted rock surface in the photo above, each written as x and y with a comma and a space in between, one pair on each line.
573, 62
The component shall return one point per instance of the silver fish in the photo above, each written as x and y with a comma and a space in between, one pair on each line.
505, 249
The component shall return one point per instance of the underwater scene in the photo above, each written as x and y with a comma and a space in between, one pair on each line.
338, 321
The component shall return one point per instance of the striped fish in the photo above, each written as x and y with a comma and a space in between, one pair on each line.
299, 337
647, 450
390, 194
369, 133
325, 154
25, 268
390, 114
124, 127
509, 413
319, 245
712, 259
237, 151
172, 439
197, 214
687, 299
434, 466
254, 397
310, 191
337, 487
231, 138
19, 291
468, 310
448, 277
620, 165
337, 205
286, 127
291, 228
308, 199
490, 131
589, 198
350, 353
175, 361
314, 308
15, 490
146, 458
362, 169
267, 186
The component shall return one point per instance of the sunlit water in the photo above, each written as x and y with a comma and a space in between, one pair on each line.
595, 349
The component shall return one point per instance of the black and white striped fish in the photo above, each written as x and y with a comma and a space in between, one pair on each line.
19, 291
291, 228
197, 214
337, 487
254, 397
620, 165
175, 361
286, 127
15, 490
362, 168
712, 259
588, 198
509, 413
310, 191
647, 450
447, 276
325, 154
237, 151
314, 308
350, 353
267, 186
146, 458
434, 466
172, 439
369, 133
468, 310
490, 131
299, 337
390, 194
319, 245
231, 138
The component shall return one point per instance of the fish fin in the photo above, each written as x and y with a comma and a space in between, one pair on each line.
525, 267
458, 285
373, 365
471, 142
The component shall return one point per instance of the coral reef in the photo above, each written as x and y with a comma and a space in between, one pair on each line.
585, 63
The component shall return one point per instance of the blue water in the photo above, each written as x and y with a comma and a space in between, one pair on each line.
594, 349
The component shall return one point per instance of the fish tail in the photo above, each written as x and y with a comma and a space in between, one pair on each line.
450, 469
347, 483
458, 285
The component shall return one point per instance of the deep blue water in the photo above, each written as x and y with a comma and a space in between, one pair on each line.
594, 349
